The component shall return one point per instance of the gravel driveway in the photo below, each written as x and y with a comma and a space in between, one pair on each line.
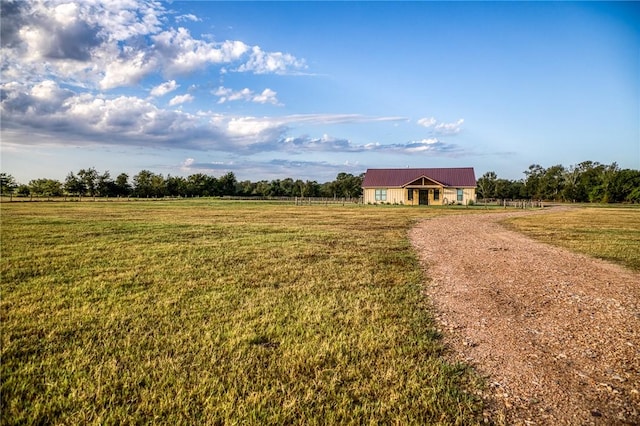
556, 334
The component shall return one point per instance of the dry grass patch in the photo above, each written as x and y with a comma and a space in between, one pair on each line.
205, 312
608, 233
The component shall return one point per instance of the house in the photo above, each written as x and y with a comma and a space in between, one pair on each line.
439, 186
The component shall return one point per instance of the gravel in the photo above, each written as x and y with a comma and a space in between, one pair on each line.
556, 334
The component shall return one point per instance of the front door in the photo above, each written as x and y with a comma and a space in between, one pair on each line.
423, 197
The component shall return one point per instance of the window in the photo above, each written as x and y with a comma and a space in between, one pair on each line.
436, 194
460, 194
410, 195
381, 195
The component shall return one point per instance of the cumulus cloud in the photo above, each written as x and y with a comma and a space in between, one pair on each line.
327, 143
180, 99
427, 122
425, 146
188, 17
49, 112
226, 95
449, 128
164, 88
267, 96
45, 111
441, 127
109, 44
261, 62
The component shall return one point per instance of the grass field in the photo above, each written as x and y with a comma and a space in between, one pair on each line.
610, 233
204, 312
208, 312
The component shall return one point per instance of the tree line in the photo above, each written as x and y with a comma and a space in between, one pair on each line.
584, 182
145, 184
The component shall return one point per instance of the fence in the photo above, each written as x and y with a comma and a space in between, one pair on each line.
285, 200
519, 204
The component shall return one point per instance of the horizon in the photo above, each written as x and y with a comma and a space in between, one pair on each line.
308, 90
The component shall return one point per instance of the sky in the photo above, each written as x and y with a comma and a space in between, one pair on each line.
270, 90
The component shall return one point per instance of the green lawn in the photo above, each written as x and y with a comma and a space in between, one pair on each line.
200, 312
610, 233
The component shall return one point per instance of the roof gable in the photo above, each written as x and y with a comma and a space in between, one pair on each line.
423, 180
448, 177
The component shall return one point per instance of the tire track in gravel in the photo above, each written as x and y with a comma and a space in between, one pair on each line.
556, 334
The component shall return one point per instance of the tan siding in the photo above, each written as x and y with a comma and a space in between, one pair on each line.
400, 196
451, 195
416, 197
396, 195
369, 196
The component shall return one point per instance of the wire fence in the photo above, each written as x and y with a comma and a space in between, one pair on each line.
284, 200
519, 204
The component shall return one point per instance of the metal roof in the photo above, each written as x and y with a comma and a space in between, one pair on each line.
458, 176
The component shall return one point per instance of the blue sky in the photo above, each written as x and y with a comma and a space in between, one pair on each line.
310, 89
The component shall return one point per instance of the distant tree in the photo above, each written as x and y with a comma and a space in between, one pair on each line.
45, 187
176, 186
158, 186
142, 184
532, 187
504, 189
262, 188
589, 177
551, 183
23, 191
626, 186
346, 185
288, 187
227, 184
487, 185
570, 190
202, 185
276, 189
634, 195
89, 177
105, 186
74, 186
122, 186
8, 184
312, 188
601, 183
245, 188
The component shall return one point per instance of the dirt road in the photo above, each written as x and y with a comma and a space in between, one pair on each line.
556, 334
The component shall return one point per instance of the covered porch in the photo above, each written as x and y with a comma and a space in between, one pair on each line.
424, 191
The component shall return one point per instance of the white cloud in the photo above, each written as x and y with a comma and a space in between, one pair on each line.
180, 99
427, 122
182, 53
45, 112
164, 88
188, 17
109, 44
267, 96
129, 70
261, 62
226, 95
449, 128
440, 127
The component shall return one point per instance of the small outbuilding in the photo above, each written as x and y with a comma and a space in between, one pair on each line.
438, 186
